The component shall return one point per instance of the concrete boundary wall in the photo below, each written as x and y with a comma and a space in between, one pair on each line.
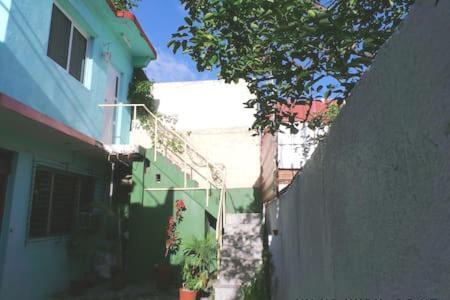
369, 217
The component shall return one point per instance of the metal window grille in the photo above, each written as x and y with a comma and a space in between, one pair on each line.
58, 198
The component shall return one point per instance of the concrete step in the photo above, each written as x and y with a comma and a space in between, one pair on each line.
239, 241
251, 229
241, 255
248, 218
226, 292
244, 254
224, 282
246, 247
241, 269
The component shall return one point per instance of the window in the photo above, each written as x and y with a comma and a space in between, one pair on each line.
66, 44
58, 197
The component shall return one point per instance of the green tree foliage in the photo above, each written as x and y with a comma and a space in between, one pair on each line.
140, 91
125, 4
287, 49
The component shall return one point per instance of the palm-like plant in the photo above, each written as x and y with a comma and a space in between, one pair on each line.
200, 263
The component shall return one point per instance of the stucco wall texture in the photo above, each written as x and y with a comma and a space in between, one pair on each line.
370, 214
213, 113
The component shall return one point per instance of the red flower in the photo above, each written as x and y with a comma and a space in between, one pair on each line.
172, 240
179, 204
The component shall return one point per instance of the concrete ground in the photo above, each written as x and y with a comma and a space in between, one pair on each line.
131, 292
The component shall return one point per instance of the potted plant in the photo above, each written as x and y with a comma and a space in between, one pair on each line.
173, 242
200, 265
81, 248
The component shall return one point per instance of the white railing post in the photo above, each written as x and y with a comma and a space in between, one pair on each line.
134, 113
207, 195
155, 142
184, 164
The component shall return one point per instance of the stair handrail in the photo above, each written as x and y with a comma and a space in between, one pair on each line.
198, 172
216, 169
220, 224
186, 142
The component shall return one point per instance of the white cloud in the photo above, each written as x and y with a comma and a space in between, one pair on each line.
168, 68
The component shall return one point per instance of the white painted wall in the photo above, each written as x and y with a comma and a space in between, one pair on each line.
294, 150
369, 216
214, 114
205, 104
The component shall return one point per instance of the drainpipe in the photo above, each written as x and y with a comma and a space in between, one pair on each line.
119, 225
111, 183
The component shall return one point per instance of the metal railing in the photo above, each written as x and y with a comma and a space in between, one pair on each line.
178, 150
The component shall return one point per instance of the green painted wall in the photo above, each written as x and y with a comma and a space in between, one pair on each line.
244, 200
150, 211
37, 268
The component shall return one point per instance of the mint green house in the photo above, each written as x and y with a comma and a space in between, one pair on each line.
59, 60
69, 136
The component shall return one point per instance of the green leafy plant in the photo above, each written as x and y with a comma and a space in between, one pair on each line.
125, 4
140, 92
322, 119
287, 50
173, 241
84, 240
200, 263
166, 138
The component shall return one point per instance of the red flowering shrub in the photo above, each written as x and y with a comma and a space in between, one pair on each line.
173, 240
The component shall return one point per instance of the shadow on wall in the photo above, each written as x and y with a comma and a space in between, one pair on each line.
369, 215
29, 85
246, 261
146, 247
244, 200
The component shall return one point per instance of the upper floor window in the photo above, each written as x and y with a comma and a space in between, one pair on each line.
67, 45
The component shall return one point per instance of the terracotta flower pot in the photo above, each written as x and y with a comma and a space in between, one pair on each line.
187, 294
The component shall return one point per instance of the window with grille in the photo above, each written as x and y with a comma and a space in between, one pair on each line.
67, 45
58, 198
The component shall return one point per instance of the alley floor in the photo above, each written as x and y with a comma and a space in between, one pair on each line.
131, 292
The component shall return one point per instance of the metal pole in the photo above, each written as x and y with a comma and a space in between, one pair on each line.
134, 113
111, 183
155, 140
184, 165
133, 121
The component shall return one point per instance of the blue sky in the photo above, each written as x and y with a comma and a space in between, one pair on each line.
161, 18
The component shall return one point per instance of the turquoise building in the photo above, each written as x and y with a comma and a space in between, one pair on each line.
59, 60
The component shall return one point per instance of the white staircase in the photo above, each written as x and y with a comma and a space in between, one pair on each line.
238, 235
241, 254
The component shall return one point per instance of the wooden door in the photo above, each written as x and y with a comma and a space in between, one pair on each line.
112, 92
5, 167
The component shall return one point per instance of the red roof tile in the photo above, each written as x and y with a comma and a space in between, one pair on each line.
305, 111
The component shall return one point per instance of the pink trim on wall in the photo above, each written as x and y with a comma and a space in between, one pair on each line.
11, 104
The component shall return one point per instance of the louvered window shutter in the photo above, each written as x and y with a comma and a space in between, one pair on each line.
42, 194
65, 194
58, 197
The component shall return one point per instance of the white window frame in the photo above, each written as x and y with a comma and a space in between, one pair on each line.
69, 53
